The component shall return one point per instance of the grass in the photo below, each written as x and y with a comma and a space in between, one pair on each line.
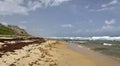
6, 31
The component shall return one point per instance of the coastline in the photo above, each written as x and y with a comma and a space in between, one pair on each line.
108, 60
53, 53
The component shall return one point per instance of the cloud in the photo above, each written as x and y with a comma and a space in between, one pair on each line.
107, 22
67, 26
10, 7
102, 9
109, 26
58, 2
113, 2
108, 6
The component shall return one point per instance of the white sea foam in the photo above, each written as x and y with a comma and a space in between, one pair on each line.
90, 38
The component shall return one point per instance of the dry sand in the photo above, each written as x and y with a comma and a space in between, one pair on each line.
68, 57
49, 53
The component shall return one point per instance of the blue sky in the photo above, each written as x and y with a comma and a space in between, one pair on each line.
51, 18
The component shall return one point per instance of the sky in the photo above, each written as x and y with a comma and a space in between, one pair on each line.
63, 18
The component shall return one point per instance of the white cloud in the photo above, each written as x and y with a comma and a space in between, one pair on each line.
33, 5
9, 7
109, 26
107, 22
67, 26
113, 2
108, 6
102, 9
58, 2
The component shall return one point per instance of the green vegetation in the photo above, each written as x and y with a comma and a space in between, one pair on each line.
6, 31
12, 30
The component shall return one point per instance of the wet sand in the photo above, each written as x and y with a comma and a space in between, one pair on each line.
104, 59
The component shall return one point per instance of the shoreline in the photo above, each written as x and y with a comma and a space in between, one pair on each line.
108, 60
51, 53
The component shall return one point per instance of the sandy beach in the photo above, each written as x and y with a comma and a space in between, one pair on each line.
54, 53
103, 60
69, 55
59, 32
